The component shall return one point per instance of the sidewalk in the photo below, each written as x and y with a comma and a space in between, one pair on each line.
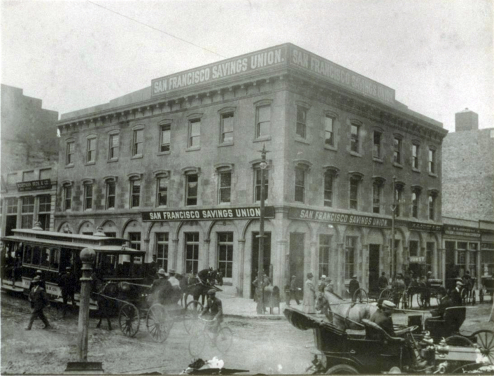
247, 308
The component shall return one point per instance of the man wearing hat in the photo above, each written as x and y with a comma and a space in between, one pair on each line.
322, 283
353, 286
39, 300
39, 274
382, 317
456, 294
329, 285
309, 295
68, 284
213, 311
162, 288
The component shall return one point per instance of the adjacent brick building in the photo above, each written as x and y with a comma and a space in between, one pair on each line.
175, 168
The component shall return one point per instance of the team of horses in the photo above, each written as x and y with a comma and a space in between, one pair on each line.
109, 295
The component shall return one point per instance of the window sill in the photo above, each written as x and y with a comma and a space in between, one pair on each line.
263, 138
302, 140
225, 144
378, 160
90, 163
137, 156
194, 148
164, 153
355, 154
112, 160
415, 170
397, 165
432, 174
69, 165
329, 147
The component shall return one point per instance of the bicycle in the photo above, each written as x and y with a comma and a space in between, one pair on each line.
222, 341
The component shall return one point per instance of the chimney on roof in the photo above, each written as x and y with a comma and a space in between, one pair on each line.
466, 120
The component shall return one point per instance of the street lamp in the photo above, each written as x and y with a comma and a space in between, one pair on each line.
260, 272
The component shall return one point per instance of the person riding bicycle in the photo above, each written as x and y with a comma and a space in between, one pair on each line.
214, 312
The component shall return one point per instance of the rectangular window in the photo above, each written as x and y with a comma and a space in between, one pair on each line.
258, 184
135, 191
91, 150
165, 133
138, 142
299, 184
429, 256
110, 194
27, 211
263, 121
135, 243
11, 204
162, 191
328, 131
162, 250
28, 176
324, 254
487, 261
44, 208
45, 173
225, 186
414, 248
398, 199
415, 204
351, 243
397, 150
67, 197
432, 161
432, 203
354, 188
69, 153
354, 141
88, 196
194, 133
114, 146
225, 254
377, 145
191, 252
227, 128
328, 188
301, 121
192, 183
415, 156
376, 198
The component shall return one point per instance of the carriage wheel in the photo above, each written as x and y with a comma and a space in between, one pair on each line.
158, 325
458, 340
224, 340
386, 294
129, 320
485, 340
191, 312
360, 296
197, 344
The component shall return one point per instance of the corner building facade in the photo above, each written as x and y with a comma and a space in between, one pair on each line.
175, 168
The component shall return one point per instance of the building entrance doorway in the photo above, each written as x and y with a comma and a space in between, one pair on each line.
11, 224
374, 267
255, 257
297, 241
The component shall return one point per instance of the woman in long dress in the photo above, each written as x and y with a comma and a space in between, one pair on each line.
309, 294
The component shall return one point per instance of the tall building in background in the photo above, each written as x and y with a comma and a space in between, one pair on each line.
175, 168
468, 197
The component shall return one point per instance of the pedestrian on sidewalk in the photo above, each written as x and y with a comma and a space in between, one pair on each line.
39, 300
292, 292
309, 295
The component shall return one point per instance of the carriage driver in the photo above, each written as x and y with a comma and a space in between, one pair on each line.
382, 317
214, 311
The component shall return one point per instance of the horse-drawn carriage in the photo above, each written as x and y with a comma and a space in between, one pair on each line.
374, 351
486, 288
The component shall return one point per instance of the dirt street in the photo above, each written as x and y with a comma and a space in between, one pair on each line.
260, 346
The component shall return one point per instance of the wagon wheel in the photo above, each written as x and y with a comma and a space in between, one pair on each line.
485, 341
190, 315
386, 294
360, 296
157, 322
224, 340
458, 340
129, 319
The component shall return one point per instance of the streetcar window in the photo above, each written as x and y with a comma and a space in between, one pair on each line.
55, 258
45, 257
28, 253
36, 255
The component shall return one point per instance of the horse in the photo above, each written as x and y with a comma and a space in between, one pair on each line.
343, 314
199, 286
101, 292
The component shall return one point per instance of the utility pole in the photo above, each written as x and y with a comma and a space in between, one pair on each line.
260, 273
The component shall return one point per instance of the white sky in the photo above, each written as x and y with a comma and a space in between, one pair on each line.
436, 54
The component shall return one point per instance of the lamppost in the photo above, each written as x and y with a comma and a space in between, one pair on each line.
260, 272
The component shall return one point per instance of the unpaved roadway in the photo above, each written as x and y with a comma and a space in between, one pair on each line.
260, 345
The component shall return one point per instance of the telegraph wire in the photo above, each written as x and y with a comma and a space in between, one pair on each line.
156, 29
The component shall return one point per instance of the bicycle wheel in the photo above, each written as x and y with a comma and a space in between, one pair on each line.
386, 294
360, 296
197, 344
224, 340
158, 324
191, 313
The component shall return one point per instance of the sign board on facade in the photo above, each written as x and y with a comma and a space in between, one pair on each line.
207, 214
333, 217
417, 259
283, 56
420, 226
34, 185
461, 231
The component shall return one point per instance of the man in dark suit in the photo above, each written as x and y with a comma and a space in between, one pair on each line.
382, 317
353, 286
39, 300
456, 294
68, 285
